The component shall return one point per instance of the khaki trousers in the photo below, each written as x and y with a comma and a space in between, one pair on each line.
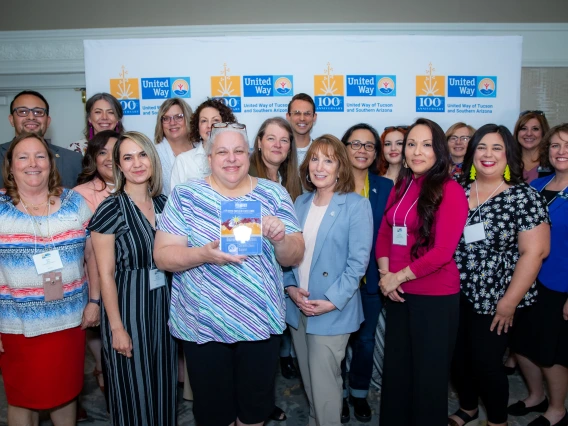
319, 358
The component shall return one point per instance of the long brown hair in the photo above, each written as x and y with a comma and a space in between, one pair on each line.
432, 188
331, 147
94, 146
288, 169
54, 180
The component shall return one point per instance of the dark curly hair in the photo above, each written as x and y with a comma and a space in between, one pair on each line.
225, 112
432, 188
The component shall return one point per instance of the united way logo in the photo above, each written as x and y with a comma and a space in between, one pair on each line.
165, 87
267, 85
387, 85
430, 92
487, 87
227, 88
127, 92
371, 85
329, 91
283, 86
460, 86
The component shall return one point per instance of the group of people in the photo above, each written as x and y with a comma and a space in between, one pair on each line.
429, 253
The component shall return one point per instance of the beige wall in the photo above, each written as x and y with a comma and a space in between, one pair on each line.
68, 14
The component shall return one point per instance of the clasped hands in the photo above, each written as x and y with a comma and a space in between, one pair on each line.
390, 285
308, 307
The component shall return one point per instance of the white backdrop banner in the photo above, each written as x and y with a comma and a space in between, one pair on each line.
380, 80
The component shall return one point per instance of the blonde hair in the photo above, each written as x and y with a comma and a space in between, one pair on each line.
155, 182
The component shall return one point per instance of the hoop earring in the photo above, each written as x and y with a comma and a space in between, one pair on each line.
507, 173
472, 173
308, 178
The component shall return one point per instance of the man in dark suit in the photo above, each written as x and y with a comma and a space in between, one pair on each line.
29, 112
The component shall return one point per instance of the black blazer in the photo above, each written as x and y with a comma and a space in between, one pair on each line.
379, 191
68, 163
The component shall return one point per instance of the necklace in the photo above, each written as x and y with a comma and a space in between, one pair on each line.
35, 206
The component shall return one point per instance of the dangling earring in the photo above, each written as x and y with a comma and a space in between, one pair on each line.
472, 173
507, 173
116, 127
308, 178
91, 131
404, 164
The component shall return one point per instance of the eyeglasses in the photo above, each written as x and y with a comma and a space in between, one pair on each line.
223, 125
389, 128
299, 114
536, 112
178, 118
454, 139
24, 112
356, 146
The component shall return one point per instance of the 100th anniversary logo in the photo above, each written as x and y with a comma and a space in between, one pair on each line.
430, 91
227, 88
329, 91
127, 92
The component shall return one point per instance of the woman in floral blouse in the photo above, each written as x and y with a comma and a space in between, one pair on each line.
506, 237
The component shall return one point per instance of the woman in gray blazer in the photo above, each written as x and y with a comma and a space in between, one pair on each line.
324, 303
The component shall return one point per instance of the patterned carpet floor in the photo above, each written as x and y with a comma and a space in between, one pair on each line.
290, 397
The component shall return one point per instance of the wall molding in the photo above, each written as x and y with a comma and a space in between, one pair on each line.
54, 58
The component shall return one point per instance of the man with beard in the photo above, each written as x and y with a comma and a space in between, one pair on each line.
29, 112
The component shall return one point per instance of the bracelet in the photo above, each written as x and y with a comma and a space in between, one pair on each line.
95, 301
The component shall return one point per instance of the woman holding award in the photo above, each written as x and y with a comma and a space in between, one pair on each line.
228, 309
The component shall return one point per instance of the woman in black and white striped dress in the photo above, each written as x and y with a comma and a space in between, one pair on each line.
138, 350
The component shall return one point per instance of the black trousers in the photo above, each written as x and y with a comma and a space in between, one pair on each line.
419, 343
477, 368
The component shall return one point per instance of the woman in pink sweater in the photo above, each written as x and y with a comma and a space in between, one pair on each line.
422, 225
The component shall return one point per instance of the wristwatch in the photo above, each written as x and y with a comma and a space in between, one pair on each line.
95, 301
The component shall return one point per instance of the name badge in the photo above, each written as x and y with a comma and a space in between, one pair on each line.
399, 235
47, 261
473, 233
157, 279
52, 286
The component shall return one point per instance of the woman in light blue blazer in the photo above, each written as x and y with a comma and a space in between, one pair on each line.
324, 303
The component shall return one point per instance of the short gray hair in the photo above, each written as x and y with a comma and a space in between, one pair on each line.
214, 134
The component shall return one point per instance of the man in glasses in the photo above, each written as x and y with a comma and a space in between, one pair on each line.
302, 116
29, 112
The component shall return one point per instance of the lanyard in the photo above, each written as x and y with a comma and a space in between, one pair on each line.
478, 209
556, 196
34, 223
395, 210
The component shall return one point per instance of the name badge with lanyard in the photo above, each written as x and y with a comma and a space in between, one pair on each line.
157, 277
476, 232
400, 233
48, 264
561, 194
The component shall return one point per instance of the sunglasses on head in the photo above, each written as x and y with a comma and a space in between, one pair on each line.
529, 111
389, 128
